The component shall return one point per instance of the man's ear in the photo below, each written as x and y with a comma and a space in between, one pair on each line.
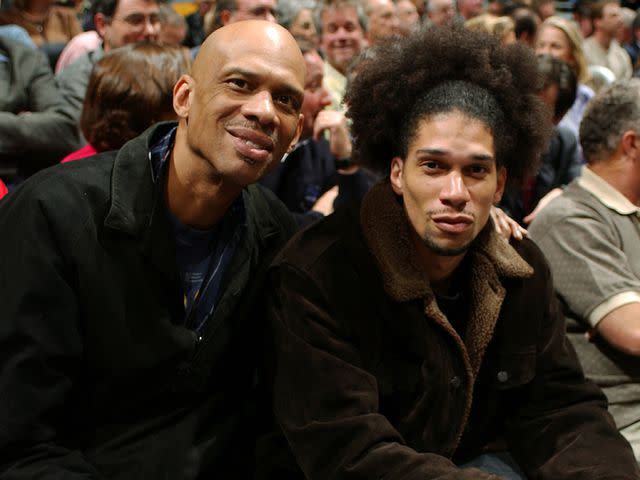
225, 15
629, 144
501, 184
101, 21
183, 92
395, 176
296, 136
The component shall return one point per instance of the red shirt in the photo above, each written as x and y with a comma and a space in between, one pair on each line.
85, 151
3, 189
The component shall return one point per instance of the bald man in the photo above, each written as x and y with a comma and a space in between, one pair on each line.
128, 281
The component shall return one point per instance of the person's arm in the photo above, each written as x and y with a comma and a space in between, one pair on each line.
621, 327
564, 415
42, 129
326, 401
41, 346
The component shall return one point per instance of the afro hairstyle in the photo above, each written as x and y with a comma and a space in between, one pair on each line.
393, 93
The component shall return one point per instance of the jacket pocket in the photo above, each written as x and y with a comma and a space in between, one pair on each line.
513, 369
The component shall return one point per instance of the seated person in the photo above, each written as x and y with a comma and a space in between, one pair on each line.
118, 22
560, 163
173, 26
591, 237
129, 285
44, 21
31, 112
129, 90
409, 340
318, 173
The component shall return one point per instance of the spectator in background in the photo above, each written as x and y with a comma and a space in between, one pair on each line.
230, 11
297, 17
561, 39
46, 22
633, 46
441, 12
129, 90
560, 163
3, 189
591, 236
467, 9
382, 20
118, 22
195, 22
582, 16
173, 26
31, 113
421, 7
625, 34
78, 46
318, 174
602, 47
342, 29
408, 17
502, 28
525, 25
544, 8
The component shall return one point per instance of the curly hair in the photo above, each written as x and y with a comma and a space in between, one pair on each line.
474, 75
130, 89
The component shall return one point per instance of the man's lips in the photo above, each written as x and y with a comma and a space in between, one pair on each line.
251, 143
453, 223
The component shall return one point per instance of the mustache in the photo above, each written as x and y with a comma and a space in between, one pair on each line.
449, 211
269, 132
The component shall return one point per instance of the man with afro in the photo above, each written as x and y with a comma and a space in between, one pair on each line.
410, 341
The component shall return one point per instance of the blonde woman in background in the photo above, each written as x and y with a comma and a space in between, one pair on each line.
561, 39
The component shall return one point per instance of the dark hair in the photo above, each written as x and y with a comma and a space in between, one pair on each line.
105, 7
446, 69
597, 8
554, 71
221, 6
525, 22
129, 89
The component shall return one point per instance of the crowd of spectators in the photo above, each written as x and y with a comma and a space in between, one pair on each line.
82, 78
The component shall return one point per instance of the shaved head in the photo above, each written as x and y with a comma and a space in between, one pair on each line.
254, 35
240, 109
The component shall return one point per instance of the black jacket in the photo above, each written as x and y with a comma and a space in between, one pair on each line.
99, 377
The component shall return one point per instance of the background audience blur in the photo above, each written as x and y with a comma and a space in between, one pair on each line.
130, 89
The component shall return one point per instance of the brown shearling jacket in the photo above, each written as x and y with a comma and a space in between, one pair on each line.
370, 380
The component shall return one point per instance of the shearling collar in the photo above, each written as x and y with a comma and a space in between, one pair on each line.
386, 231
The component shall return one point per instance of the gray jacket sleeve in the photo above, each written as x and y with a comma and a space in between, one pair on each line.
41, 130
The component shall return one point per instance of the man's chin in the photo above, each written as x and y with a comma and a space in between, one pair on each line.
446, 250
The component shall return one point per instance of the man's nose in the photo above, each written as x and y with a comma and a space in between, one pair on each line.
325, 99
151, 28
455, 192
261, 108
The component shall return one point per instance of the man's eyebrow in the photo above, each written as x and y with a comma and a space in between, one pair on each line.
286, 87
439, 152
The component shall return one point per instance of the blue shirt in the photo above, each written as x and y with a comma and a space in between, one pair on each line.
202, 256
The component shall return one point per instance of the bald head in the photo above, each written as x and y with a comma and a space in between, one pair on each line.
255, 36
240, 107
